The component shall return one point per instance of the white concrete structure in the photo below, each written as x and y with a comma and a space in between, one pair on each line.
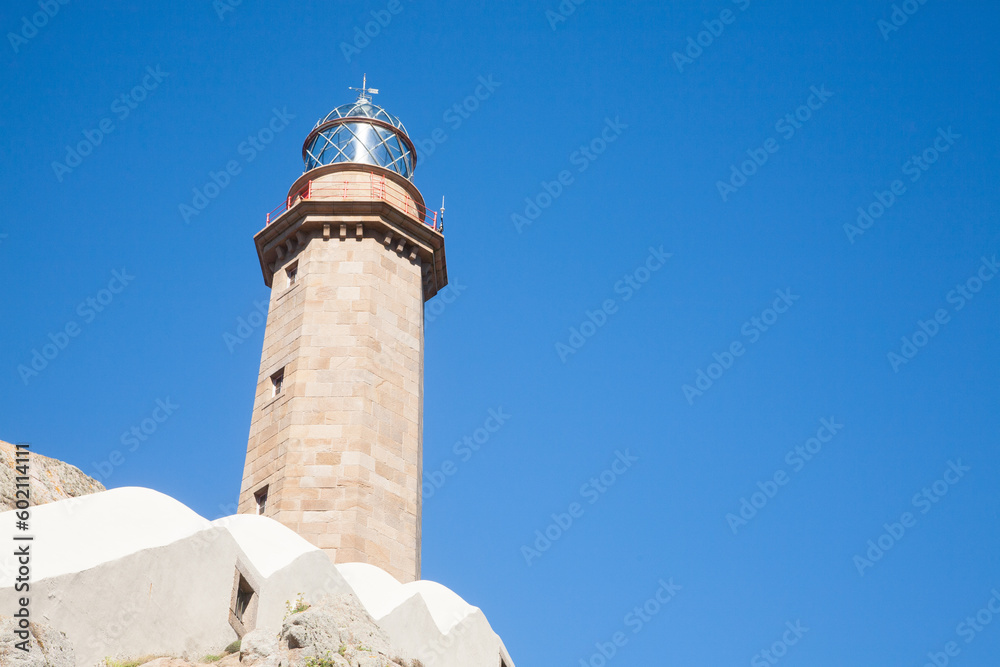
132, 572
426, 620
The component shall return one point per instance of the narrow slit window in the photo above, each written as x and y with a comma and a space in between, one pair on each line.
244, 595
277, 382
292, 272
261, 500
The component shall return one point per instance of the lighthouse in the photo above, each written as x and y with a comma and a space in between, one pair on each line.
350, 256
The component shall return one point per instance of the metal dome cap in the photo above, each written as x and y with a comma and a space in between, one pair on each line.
361, 132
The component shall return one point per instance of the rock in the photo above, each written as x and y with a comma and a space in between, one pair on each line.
338, 631
300, 659
48, 647
257, 646
371, 661
228, 661
50, 479
334, 622
297, 634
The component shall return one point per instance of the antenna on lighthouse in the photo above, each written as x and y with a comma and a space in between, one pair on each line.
364, 90
442, 214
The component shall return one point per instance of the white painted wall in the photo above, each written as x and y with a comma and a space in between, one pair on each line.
131, 572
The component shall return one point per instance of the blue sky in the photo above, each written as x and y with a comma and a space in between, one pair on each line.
804, 112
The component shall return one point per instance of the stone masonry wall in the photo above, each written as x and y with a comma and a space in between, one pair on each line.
340, 448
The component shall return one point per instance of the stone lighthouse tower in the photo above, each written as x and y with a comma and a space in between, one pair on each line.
352, 254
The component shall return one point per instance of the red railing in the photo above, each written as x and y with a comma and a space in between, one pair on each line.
346, 190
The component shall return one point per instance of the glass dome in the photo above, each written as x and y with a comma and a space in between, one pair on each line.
361, 132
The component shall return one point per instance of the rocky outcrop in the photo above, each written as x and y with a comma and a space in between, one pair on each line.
338, 632
332, 624
47, 647
51, 479
228, 661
